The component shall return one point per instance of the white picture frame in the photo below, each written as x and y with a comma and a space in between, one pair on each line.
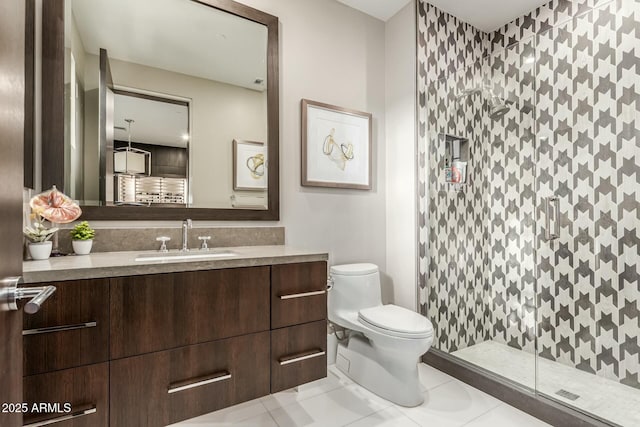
249, 166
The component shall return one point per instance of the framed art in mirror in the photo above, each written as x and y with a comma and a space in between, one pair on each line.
249, 166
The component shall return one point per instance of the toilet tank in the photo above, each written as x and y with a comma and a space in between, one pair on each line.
355, 286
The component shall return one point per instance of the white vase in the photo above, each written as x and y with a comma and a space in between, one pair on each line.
41, 250
82, 247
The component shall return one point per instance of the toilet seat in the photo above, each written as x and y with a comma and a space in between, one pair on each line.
396, 321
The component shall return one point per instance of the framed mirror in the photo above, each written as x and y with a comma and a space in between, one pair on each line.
145, 104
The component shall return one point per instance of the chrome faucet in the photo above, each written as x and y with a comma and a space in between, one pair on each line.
186, 225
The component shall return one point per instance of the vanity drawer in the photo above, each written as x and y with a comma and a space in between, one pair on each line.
169, 386
298, 293
164, 311
86, 388
71, 329
298, 355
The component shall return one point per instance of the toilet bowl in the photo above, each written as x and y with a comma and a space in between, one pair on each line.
384, 342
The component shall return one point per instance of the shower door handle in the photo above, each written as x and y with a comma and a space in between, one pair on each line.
555, 200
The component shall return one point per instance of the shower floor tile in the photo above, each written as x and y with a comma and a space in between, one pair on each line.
599, 396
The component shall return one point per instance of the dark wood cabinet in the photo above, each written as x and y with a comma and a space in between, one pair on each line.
298, 355
71, 329
165, 387
298, 293
164, 311
299, 324
152, 350
211, 376
86, 388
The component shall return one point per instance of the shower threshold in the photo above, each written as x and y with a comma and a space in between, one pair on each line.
599, 396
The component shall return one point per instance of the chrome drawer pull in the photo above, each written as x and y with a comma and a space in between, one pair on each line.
293, 359
59, 328
77, 414
185, 385
302, 295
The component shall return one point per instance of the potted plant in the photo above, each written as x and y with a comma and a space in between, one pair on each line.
82, 235
39, 237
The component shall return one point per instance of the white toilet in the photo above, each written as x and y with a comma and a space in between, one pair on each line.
384, 342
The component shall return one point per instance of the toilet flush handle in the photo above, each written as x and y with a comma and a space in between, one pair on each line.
329, 283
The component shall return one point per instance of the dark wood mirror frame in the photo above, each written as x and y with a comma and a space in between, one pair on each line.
53, 122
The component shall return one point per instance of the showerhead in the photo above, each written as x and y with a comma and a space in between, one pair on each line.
497, 107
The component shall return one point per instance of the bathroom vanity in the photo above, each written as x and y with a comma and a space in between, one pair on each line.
150, 343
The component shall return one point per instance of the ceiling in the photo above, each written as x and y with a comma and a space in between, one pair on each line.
381, 9
176, 35
487, 15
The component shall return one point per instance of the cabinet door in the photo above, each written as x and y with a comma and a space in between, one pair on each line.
86, 388
169, 386
208, 377
71, 329
159, 312
298, 293
298, 355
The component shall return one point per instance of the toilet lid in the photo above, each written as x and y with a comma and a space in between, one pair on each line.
354, 269
397, 321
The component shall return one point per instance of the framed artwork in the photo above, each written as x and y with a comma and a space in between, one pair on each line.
336, 147
249, 165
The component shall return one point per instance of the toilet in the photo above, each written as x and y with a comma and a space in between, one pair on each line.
384, 343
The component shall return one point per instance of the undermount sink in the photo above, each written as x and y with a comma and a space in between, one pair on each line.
184, 256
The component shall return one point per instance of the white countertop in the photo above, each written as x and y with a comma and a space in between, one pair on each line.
114, 264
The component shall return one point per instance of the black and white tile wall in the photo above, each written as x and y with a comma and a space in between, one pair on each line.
570, 71
456, 224
512, 198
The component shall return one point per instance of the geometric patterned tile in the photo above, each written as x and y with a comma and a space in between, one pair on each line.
571, 75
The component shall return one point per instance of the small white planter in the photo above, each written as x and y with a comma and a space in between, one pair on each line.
40, 251
82, 247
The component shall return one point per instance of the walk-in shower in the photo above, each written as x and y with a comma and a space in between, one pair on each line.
530, 268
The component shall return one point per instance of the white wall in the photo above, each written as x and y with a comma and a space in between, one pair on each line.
400, 155
334, 54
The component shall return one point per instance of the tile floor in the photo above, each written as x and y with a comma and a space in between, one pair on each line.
599, 396
337, 401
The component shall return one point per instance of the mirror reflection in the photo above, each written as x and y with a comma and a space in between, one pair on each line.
150, 153
164, 100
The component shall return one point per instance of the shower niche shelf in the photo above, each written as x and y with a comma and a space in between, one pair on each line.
455, 173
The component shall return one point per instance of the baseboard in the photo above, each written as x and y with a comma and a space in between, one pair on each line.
539, 406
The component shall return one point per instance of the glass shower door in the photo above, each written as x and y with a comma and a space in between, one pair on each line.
481, 281
588, 186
